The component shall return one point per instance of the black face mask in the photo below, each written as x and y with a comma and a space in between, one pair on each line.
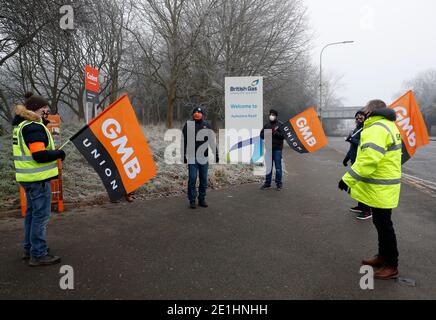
45, 114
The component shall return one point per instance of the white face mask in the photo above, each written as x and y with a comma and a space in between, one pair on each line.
272, 118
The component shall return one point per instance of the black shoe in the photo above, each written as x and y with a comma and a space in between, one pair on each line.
279, 188
356, 210
193, 205
203, 204
48, 260
265, 187
365, 215
26, 255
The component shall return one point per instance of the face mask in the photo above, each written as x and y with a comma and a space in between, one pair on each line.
198, 116
45, 114
272, 118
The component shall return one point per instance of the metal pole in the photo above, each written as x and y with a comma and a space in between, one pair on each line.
320, 73
65, 144
86, 113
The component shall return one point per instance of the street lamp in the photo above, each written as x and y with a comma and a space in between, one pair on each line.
320, 72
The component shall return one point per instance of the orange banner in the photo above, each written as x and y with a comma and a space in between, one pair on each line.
304, 133
115, 145
411, 124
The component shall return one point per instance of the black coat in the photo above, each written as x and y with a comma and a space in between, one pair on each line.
354, 140
277, 137
199, 125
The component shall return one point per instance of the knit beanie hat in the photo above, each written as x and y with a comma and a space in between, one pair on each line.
198, 109
274, 112
33, 102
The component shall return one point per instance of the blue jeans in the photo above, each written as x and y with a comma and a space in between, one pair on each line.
277, 162
196, 170
38, 196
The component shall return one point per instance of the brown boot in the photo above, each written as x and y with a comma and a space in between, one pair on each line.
387, 273
376, 262
129, 198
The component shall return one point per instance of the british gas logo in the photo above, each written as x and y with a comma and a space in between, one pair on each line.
253, 88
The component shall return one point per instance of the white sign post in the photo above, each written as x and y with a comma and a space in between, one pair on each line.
244, 118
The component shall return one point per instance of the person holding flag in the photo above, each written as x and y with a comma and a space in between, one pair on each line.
277, 150
362, 210
375, 180
35, 160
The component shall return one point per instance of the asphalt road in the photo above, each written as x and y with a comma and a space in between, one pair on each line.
300, 243
422, 166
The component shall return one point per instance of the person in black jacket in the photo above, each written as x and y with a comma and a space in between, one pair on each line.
198, 165
362, 210
277, 149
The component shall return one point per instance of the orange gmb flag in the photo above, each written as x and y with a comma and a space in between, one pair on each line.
115, 146
304, 133
411, 124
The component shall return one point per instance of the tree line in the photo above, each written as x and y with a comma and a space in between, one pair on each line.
168, 55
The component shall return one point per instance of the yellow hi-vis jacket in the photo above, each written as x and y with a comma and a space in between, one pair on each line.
26, 168
375, 178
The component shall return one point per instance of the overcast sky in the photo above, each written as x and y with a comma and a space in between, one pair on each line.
395, 39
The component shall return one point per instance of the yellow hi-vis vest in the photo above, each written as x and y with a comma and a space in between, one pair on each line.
26, 168
375, 178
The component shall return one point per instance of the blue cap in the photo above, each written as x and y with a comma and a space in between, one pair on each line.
198, 109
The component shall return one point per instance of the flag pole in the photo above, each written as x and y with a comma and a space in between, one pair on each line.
65, 144
357, 133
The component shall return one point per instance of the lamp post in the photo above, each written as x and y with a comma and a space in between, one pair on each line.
320, 72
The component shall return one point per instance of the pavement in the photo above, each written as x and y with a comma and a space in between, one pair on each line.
301, 243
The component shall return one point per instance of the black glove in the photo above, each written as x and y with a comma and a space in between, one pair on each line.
343, 186
61, 155
346, 160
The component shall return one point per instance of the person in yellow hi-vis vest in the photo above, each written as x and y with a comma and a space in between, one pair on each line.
375, 180
35, 160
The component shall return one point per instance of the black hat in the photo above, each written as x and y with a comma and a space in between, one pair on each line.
360, 113
34, 102
274, 112
198, 109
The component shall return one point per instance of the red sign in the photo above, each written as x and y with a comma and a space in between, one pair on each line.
91, 79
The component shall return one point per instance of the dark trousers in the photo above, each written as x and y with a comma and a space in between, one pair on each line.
277, 163
38, 196
201, 171
387, 239
363, 206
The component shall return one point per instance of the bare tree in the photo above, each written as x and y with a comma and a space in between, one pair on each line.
167, 39
424, 87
